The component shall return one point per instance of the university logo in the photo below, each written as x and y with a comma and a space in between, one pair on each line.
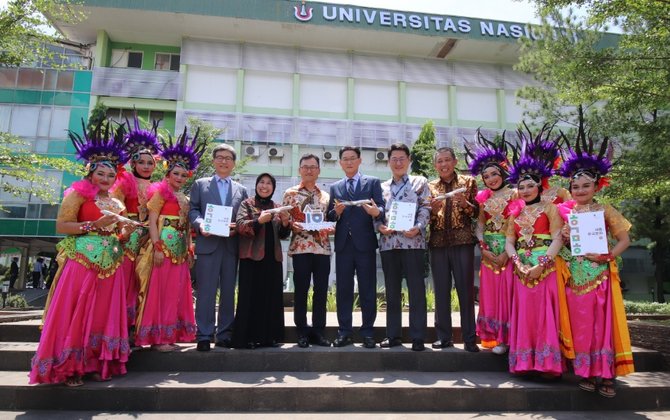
303, 13
313, 216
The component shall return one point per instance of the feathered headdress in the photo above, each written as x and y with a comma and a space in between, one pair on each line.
139, 140
534, 156
184, 152
103, 144
582, 159
485, 153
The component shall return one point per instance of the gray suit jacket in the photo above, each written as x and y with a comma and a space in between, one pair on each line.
205, 191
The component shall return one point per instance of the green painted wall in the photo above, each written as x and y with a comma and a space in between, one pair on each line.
149, 57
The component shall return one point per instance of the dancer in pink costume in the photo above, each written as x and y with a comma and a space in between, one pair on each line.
166, 314
533, 240
85, 326
592, 285
489, 159
131, 188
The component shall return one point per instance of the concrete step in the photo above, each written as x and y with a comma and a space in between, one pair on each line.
289, 357
404, 391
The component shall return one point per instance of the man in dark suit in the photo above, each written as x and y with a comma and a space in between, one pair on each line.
216, 256
355, 245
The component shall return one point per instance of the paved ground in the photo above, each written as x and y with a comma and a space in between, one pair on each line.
559, 415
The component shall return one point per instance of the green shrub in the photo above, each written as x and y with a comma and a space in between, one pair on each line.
646, 307
16, 301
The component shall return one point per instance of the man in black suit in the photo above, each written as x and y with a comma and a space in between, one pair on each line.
355, 245
216, 256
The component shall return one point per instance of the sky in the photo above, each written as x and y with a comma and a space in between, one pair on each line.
508, 10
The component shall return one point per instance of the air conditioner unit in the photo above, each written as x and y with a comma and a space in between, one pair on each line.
275, 152
329, 156
380, 156
252, 151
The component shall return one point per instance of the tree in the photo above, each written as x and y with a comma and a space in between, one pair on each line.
27, 33
207, 133
423, 150
25, 38
621, 90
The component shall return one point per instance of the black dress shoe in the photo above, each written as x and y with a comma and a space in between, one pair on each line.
320, 340
343, 340
471, 347
303, 342
225, 343
442, 344
417, 345
369, 343
390, 342
203, 345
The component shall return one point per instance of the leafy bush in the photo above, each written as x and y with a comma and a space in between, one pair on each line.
646, 307
16, 301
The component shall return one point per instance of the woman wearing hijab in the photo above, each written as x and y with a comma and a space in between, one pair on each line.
259, 319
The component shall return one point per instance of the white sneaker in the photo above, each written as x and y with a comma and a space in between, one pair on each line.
500, 349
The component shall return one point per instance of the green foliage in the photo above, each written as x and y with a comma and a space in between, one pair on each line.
423, 150
207, 133
646, 307
97, 115
621, 91
16, 301
27, 33
21, 170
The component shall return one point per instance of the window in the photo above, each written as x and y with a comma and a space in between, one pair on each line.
125, 58
65, 80
135, 59
8, 78
30, 78
167, 62
156, 116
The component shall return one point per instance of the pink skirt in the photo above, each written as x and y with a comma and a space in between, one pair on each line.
132, 289
495, 301
85, 329
168, 312
591, 324
534, 327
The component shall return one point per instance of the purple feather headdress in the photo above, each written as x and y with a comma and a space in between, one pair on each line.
139, 140
582, 159
485, 153
185, 152
102, 144
534, 156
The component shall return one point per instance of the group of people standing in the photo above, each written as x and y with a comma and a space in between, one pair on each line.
125, 263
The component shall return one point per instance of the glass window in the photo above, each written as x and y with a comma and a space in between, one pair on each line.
24, 120
114, 113
156, 116
60, 121
128, 114
13, 212
135, 59
174, 62
49, 211
162, 62
65, 80
50, 78
31, 79
44, 122
41, 146
33, 211
5, 115
8, 78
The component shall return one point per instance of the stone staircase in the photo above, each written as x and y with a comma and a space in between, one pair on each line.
291, 379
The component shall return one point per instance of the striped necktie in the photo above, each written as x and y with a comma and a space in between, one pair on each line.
350, 187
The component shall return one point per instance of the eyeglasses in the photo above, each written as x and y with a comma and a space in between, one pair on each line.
398, 160
349, 159
309, 167
223, 159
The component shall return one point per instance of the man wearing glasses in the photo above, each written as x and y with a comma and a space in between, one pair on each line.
402, 250
216, 256
310, 251
355, 202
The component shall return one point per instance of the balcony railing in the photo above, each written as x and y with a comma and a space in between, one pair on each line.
136, 83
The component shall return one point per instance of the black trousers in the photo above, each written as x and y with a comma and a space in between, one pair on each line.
308, 268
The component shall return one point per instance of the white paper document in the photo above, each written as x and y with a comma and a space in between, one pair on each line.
587, 233
218, 219
401, 216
